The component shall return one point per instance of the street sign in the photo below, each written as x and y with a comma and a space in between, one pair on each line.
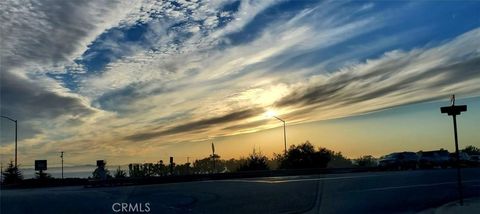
453, 110
40, 165
100, 163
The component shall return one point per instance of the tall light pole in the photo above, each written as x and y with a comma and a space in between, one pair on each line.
61, 156
15, 121
284, 132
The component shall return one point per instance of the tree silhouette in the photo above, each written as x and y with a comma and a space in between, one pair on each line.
12, 174
255, 161
120, 173
134, 170
153, 169
101, 172
365, 161
41, 175
471, 150
339, 161
305, 156
160, 169
232, 165
182, 169
204, 165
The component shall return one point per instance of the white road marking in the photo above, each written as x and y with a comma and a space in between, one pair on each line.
291, 180
414, 186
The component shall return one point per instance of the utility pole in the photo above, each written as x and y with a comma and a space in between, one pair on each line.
61, 156
453, 111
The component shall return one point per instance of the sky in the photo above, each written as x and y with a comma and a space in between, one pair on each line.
139, 81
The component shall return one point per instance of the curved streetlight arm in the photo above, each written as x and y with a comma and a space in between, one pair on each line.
279, 119
9, 118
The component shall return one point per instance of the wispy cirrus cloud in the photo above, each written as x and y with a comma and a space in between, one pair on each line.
199, 125
396, 78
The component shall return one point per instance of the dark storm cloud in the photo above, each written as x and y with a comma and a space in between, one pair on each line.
199, 124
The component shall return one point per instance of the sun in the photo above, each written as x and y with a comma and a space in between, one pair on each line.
271, 113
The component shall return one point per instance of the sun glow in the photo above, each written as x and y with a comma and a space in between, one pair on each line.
271, 113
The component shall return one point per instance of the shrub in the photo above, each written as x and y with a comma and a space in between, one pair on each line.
305, 156
255, 161
101, 172
339, 161
365, 161
120, 173
471, 150
12, 174
41, 175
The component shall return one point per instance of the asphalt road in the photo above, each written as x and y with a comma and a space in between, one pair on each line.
380, 192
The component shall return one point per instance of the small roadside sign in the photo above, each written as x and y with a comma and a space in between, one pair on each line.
40, 165
100, 163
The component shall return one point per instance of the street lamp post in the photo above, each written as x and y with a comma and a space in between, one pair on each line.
284, 133
15, 121
61, 156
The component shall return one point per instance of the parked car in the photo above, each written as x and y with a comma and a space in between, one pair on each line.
464, 159
475, 160
399, 161
432, 159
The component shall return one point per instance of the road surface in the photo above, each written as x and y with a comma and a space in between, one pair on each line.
379, 192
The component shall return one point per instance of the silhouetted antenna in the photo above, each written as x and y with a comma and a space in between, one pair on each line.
213, 156
452, 99
213, 148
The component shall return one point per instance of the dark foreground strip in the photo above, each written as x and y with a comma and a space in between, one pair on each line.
36, 183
